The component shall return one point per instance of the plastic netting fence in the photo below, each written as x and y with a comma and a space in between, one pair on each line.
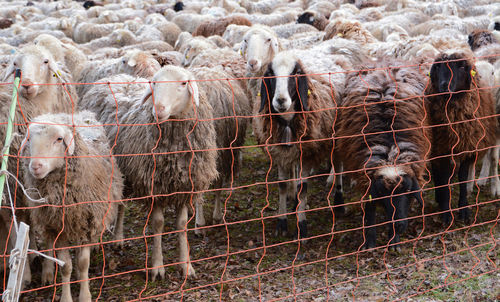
242, 257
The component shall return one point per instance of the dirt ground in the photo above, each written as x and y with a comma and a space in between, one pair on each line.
232, 263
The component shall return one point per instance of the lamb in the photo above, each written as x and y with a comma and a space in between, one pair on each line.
69, 166
451, 99
294, 107
134, 62
389, 167
217, 27
183, 101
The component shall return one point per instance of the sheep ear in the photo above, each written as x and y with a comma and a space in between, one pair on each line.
57, 71
147, 94
195, 94
274, 46
69, 141
266, 90
303, 88
24, 143
8, 71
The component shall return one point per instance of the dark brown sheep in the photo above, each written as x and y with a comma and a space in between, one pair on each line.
460, 109
218, 27
386, 106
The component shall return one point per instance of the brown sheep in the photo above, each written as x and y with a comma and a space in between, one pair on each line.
314, 19
454, 95
294, 108
347, 29
480, 38
217, 27
388, 159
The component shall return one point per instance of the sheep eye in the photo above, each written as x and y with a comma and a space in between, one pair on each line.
268, 40
184, 83
46, 61
124, 62
59, 139
15, 64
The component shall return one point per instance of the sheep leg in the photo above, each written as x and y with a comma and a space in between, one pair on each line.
48, 265
182, 217
301, 203
389, 211
217, 215
495, 181
199, 218
284, 188
66, 275
120, 216
83, 272
485, 169
441, 172
338, 198
370, 232
463, 175
158, 223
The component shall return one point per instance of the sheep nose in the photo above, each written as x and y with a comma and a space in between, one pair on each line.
252, 62
280, 101
36, 166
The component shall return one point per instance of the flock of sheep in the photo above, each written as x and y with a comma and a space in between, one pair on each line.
179, 83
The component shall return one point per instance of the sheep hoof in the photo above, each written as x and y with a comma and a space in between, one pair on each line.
446, 218
303, 229
199, 232
395, 248
47, 277
464, 215
155, 272
281, 227
188, 271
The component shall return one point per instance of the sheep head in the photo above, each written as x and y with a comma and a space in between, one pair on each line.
306, 18
393, 182
38, 66
285, 84
47, 145
451, 72
174, 93
259, 46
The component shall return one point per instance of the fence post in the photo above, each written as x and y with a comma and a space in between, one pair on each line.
18, 255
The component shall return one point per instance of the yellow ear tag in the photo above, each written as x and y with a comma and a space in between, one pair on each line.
473, 73
187, 57
57, 74
258, 94
370, 198
241, 52
429, 74
340, 35
308, 92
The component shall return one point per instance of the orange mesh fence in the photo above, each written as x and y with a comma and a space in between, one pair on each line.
242, 257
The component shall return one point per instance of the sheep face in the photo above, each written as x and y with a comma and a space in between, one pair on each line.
48, 145
306, 18
258, 48
450, 76
173, 93
393, 181
286, 88
37, 67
